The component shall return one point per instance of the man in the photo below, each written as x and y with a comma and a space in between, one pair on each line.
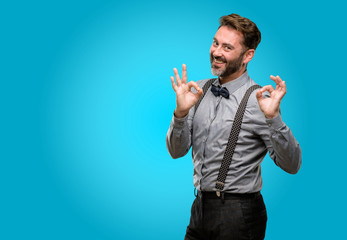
230, 208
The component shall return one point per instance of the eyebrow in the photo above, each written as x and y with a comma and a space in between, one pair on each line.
225, 44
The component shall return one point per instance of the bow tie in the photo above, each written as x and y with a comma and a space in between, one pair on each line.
217, 91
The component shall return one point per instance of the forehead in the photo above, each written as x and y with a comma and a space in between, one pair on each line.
229, 35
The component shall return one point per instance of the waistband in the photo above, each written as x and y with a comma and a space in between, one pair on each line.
224, 195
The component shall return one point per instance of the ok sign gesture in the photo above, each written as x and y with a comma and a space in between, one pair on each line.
185, 98
271, 106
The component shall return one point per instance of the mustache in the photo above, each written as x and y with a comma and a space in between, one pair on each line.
218, 58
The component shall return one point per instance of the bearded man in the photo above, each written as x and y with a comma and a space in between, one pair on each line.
230, 126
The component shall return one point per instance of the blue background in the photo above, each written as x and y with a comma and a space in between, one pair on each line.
86, 101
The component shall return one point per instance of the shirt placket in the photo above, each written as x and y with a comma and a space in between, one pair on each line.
206, 137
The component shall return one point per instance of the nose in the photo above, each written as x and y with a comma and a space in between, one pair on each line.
217, 52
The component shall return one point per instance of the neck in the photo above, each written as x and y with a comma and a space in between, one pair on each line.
233, 76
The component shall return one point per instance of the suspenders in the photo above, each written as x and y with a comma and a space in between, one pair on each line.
234, 134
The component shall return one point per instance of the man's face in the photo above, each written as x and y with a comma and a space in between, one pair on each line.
226, 53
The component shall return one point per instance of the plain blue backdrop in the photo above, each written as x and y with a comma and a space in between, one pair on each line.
86, 102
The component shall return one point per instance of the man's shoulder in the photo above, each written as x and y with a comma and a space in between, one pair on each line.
245, 86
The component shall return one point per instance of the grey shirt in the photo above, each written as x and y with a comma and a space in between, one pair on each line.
208, 131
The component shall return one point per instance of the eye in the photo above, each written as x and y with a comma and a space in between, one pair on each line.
214, 43
227, 48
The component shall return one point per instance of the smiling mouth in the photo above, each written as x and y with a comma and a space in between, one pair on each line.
218, 61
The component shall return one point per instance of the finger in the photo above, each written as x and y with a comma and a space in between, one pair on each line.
196, 86
268, 88
174, 86
283, 88
184, 73
280, 95
280, 84
276, 79
283, 85
177, 76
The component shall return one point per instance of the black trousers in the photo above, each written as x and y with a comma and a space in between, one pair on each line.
238, 216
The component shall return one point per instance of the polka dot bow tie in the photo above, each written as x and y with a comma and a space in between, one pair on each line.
217, 91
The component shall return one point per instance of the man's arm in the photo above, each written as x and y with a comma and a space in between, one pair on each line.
279, 139
178, 139
283, 148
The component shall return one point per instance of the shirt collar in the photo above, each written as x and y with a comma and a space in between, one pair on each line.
235, 84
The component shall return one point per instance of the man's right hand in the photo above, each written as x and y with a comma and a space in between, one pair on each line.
185, 98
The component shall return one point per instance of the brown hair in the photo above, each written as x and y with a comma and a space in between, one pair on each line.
250, 31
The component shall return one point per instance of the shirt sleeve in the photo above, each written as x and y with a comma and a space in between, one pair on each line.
283, 148
178, 137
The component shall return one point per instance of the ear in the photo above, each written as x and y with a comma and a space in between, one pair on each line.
248, 55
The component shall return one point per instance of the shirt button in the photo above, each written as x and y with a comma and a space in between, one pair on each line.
269, 124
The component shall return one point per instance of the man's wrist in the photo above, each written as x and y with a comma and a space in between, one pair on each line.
180, 114
271, 116
275, 123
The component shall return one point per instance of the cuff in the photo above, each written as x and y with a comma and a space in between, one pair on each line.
179, 122
275, 123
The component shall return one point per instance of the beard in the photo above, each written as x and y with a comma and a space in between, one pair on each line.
230, 67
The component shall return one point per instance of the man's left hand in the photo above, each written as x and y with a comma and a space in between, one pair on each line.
271, 106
